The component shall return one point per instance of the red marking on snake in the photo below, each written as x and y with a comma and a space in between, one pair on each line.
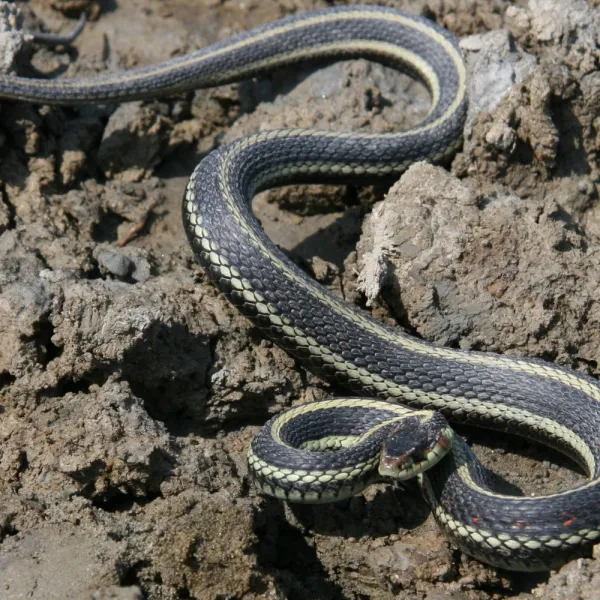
570, 520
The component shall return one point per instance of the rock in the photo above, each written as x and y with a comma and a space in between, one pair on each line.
494, 67
542, 139
452, 257
578, 579
134, 140
114, 263
11, 36
105, 442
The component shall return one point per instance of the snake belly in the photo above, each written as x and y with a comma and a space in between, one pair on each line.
540, 401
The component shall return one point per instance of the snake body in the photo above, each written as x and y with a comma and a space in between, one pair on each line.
537, 400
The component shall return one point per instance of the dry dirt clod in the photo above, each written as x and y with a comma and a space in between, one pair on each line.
11, 36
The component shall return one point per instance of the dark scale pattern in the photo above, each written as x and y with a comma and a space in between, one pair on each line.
332, 421
331, 329
264, 160
242, 56
562, 517
330, 474
318, 424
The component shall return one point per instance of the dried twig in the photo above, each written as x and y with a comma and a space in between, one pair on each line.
137, 228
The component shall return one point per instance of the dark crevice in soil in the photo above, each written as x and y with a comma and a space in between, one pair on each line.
571, 154
130, 575
524, 583
286, 553
6, 379
178, 392
47, 350
67, 385
107, 229
12, 213
118, 502
8, 530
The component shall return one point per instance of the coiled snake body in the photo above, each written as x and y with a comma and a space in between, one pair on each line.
540, 401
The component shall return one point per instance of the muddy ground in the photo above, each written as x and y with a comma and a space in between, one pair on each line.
130, 389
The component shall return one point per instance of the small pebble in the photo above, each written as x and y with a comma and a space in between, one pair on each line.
116, 264
142, 270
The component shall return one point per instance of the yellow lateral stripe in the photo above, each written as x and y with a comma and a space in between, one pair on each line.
322, 19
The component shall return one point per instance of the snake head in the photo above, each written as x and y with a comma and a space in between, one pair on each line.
416, 443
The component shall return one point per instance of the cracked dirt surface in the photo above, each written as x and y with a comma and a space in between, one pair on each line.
130, 390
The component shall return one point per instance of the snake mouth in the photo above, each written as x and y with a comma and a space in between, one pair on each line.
413, 446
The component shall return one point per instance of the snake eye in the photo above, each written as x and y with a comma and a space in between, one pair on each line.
415, 444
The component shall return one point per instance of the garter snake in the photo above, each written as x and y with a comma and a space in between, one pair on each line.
540, 401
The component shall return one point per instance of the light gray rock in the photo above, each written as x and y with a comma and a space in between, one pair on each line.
494, 65
115, 263
11, 36
452, 257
